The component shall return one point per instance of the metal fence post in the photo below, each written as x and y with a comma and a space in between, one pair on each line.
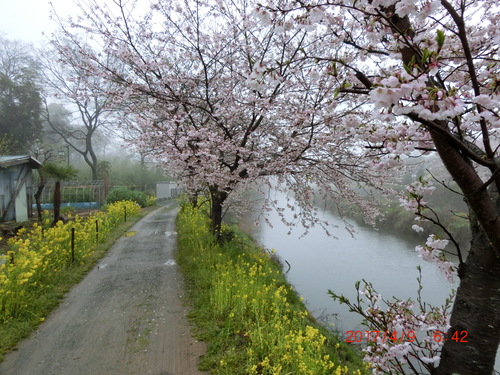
72, 245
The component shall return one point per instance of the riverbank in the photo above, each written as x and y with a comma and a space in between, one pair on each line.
250, 317
396, 220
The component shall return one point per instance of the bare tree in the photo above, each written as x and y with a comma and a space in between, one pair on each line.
88, 110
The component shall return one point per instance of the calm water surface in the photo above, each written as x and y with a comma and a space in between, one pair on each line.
319, 262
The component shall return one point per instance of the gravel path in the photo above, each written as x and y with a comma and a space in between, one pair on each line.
125, 317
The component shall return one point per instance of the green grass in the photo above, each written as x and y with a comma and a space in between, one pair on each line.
16, 329
250, 317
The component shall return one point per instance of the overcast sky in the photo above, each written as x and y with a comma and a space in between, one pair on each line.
26, 20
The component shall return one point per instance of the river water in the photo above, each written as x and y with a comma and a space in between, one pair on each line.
319, 262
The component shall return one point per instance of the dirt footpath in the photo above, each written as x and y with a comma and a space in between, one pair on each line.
125, 317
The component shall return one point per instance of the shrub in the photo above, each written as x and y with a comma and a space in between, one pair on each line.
151, 200
125, 194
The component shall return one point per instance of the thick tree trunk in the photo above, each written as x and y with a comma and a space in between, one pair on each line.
95, 175
216, 211
57, 202
91, 160
475, 315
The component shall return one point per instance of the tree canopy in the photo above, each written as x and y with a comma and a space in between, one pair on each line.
216, 97
20, 97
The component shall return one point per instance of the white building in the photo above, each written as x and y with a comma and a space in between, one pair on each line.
167, 190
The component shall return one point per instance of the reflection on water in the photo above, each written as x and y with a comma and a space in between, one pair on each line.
319, 262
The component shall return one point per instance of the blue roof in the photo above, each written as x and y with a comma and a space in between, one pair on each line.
11, 160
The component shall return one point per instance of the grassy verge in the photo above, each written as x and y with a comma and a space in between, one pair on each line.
252, 320
48, 298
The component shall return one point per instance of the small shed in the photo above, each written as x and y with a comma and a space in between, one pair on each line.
16, 187
167, 190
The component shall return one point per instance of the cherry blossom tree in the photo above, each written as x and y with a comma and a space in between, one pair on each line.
424, 76
222, 101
